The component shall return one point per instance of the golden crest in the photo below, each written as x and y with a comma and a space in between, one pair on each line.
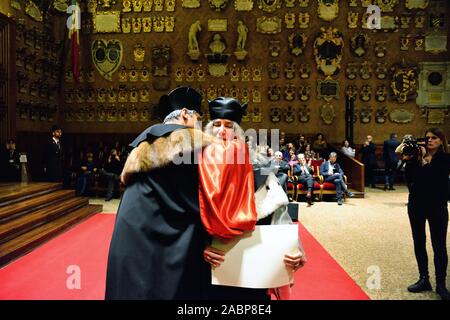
147, 24
201, 73
179, 74
352, 19
387, 5
137, 5
126, 5
268, 25
305, 70
328, 10
144, 94
416, 4
190, 74
245, 74
107, 56
303, 3
139, 53
327, 113
269, 5
289, 19
170, 5
404, 22
137, 25
256, 73
234, 73
126, 25
92, 6
134, 95
133, 75
328, 41
256, 114
159, 23
297, 43
191, 4
211, 92
147, 5
289, 3
170, 23
419, 43
405, 42
289, 92
144, 74
33, 11
112, 95
289, 70
123, 94
303, 20
123, 74
133, 114
218, 5
419, 21
243, 5
158, 5
106, 21
101, 95
256, 95
366, 93
404, 83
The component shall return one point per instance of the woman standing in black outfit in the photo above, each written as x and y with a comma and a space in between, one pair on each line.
428, 201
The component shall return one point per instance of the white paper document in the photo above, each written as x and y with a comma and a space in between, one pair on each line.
255, 260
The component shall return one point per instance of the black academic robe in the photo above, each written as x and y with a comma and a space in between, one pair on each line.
158, 239
53, 161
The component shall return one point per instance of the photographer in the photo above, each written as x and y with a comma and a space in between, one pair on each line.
429, 172
408, 150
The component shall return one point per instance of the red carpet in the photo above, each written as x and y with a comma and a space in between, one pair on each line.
42, 274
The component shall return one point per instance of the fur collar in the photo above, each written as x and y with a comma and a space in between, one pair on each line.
148, 156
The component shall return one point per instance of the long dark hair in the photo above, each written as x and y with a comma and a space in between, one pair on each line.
438, 132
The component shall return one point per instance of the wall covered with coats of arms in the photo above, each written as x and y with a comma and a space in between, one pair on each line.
296, 63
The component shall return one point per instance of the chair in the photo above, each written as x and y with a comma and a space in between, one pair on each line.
302, 189
328, 187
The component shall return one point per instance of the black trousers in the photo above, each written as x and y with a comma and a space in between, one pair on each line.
438, 222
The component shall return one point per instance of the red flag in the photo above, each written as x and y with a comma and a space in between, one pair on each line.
74, 36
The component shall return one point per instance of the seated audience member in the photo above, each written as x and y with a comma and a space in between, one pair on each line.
347, 149
112, 170
301, 144
290, 150
10, 163
87, 171
305, 176
332, 172
320, 145
270, 154
282, 167
309, 153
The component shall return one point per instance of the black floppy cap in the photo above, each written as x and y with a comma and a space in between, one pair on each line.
179, 98
55, 128
226, 108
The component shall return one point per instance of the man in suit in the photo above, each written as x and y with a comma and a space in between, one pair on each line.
10, 164
369, 159
305, 177
390, 161
53, 156
332, 172
282, 167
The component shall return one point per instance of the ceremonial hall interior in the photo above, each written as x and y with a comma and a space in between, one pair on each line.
362, 82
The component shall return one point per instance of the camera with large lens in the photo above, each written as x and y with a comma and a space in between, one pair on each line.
412, 146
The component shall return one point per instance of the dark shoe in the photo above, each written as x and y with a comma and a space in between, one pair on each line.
385, 187
443, 292
391, 188
309, 201
422, 285
349, 194
339, 202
